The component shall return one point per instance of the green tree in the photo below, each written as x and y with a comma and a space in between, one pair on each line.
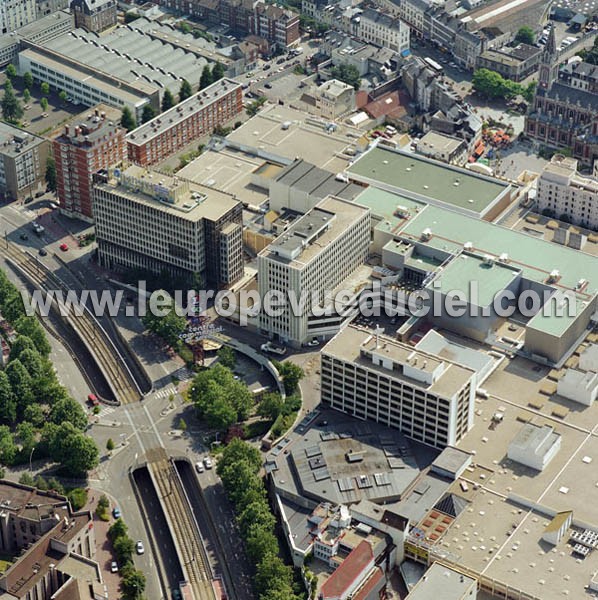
51, 178
217, 71
492, 85
8, 404
78, 498
206, 78
31, 327
291, 375
43, 104
184, 27
19, 345
79, 454
63, 96
256, 512
35, 414
26, 96
270, 406
254, 107
346, 73
182, 424
68, 410
219, 414
185, 90
226, 357
110, 445
45, 89
133, 585
123, 547
117, 530
11, 107
8, 449
21, 385
168, 326
127, 120
148, 113
260, 543
27, 80
529, 91
239, 451
33, 362
525, 35
27, 479
272, 572
167, 100
11, 71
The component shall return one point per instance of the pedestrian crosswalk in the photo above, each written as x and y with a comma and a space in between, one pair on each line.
106, 411
165, 392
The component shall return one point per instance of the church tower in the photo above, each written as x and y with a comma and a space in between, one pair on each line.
549, 65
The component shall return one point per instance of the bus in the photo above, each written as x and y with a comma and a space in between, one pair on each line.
433, 65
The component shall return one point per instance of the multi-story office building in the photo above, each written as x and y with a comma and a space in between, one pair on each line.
198, 115
48, 7
80, 150
22, 162
146, 220
314, 256
95, 15
15, 14
565, 192
370, 376
513, 63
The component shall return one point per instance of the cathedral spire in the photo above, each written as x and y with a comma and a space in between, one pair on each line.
549, 66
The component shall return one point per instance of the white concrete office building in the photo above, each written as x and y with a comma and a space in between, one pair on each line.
314, 256
564, 191
369, 376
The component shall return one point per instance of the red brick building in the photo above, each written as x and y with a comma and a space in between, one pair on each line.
174, 129
277, 25
80, 150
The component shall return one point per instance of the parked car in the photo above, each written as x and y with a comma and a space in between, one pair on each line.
199, 467
207, 461
113, 567
139, 547
43, 252
116, 512
64, 247
268, 86
313, 343
92, 399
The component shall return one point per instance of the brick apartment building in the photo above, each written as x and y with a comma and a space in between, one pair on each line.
172, 130
277, 25
80, 150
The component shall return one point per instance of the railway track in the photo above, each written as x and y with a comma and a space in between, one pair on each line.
111, 363
187, 539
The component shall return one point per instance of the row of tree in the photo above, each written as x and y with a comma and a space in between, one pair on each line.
133, 581
239, 468
493, 85
36, 412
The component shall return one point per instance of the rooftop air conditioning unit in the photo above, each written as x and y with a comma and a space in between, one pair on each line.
426, 234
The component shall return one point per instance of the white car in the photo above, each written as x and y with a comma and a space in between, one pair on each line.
139, 547
199, 467
113, 567
207, 461
313, 343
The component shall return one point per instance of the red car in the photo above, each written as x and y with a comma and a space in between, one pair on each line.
93, 400
64, 247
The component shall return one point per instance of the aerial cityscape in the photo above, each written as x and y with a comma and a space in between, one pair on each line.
298, 299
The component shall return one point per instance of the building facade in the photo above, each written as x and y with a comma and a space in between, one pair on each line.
565, 192
378, 28
148, 221
95, 15
371, 376
513, 63
157, 139
15, 14
23, 159
315, 254
277, 25
81, 150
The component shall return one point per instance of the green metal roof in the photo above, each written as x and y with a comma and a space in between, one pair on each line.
466, 268
535, 257
428, 179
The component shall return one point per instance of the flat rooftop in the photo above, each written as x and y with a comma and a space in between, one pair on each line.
311, 234
182, 111
534, 257
348, 344
14, 141
490, 279
438, 142
192, 201
305, 136
443, 582
231, 171
427, 179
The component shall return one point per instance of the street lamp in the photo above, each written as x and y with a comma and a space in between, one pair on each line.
30, 459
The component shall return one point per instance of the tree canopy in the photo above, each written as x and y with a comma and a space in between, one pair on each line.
127, 120
185, 90
493, 85
347, 73
206, 78
167, 100
525, 35
11, 107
